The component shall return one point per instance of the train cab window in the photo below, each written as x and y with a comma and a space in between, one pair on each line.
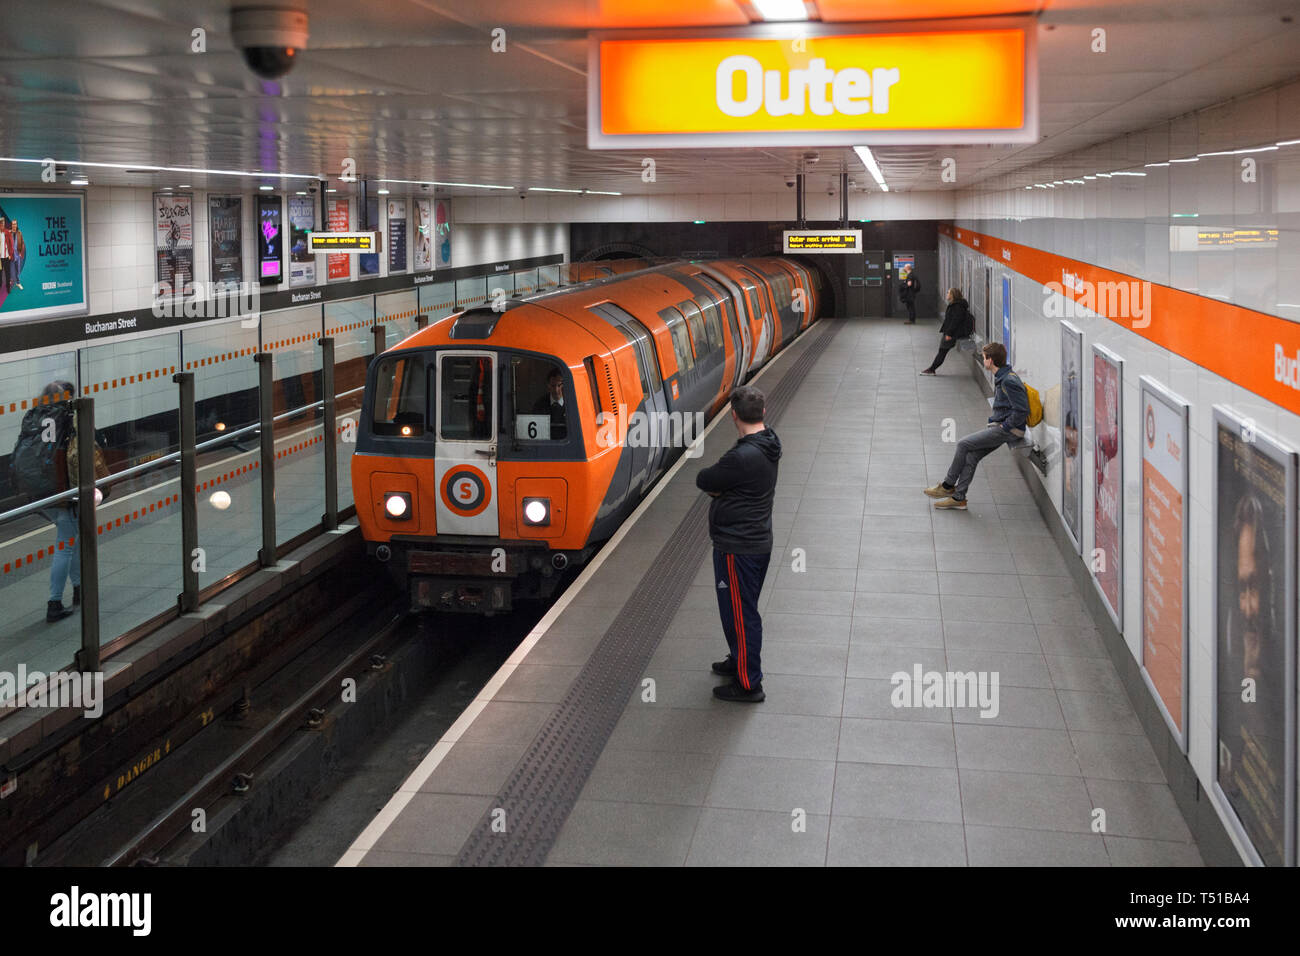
681, 339
465, 398
400, 397
541, 398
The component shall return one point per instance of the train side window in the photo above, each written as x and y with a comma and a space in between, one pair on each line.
636, 354
695, 322
466, 398
713, 326
681, 339
541, 397
400, 397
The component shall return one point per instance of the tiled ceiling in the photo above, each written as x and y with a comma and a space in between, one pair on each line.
412, 90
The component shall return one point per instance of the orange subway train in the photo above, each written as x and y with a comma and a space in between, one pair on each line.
498, 448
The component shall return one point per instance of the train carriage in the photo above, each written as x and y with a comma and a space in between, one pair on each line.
498, 448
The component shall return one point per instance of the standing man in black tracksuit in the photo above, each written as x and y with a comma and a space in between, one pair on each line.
743, 484
908, 292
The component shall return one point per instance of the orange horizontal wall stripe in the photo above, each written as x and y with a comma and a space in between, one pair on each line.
1234, 342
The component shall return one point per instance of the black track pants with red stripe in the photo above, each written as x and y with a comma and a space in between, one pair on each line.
738, 580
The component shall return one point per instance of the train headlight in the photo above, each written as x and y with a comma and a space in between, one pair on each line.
397, 504
537, 511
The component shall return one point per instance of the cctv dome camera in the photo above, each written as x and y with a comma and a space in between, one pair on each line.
269, 38
789, 181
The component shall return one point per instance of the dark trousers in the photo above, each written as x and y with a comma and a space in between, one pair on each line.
911, 309
941, 355
738, 582
971, 450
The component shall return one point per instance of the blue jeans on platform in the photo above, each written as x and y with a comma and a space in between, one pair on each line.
738, 581
67, 559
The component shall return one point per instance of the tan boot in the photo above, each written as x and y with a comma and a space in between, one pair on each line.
938, 491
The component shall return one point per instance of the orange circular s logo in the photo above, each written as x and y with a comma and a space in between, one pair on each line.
465, 490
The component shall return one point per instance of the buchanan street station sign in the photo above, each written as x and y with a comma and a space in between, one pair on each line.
808, 84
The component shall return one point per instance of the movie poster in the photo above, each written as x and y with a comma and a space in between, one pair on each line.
338, 265
396, 236
442, 233
1164, 550
174, 241
302, 220
423, 252
1254, 646
1108, 480
226, 241
368, 262
1071, 432
42, 255
270, 240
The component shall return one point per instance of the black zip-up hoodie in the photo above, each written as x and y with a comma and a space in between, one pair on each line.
744, 482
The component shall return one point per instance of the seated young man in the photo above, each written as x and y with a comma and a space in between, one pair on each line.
1006, 424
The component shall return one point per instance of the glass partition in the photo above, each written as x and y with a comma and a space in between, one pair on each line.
349, 323
437, 299
291, 337
548, 277
470, 292
396, 312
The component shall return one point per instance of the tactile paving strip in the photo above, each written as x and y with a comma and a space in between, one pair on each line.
545, 784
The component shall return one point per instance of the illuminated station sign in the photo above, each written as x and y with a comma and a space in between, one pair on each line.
810, 84
341, 242
817, 240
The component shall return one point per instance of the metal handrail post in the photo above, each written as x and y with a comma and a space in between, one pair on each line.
330, 432
266, 416
189, 596
87, 659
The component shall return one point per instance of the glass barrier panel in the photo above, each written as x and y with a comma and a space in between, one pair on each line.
291, 337
437, 299
135, 397
349, 322
221, 356
38, 555
470, 292
548, 277
396, 311
229, 485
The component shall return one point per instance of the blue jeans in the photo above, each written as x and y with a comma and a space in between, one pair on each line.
970, 452
67, 560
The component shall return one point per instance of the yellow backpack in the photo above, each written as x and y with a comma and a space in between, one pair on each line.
1035, 405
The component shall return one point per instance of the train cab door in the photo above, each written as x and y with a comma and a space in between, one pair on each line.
656, 404
466, 457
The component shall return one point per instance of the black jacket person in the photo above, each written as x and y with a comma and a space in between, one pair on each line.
743, 486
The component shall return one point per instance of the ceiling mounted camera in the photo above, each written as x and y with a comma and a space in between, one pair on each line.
270, 38
789, 181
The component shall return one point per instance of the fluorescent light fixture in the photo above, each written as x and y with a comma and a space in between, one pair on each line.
301, 192
1058, 182
184, 186
382, 192
1288, 305
165, 169
80, 181
1104, 175
1238, 152
1039, 186
864, 154
1154, 165
266, 189
1029, 187
1184, 215
1089, 177
699, 222
331, 190
601, 192
1128, 174
1289, 142
780, 9
1186, 159
551, 189
432, 182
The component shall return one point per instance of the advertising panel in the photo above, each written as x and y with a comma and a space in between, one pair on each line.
1254, 649
814, 84
1071, 432
442, 233
270, 240
423, 253
396, 236
42, 255
174, 240
1006, 317
226, 240
368, 263
302, 220
338, 266
1164, 551
1108, 480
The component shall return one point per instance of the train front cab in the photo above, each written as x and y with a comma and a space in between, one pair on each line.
470, 471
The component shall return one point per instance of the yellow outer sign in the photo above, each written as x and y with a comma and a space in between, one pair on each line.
806, 85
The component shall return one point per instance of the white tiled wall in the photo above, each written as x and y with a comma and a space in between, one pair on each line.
1124, 224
